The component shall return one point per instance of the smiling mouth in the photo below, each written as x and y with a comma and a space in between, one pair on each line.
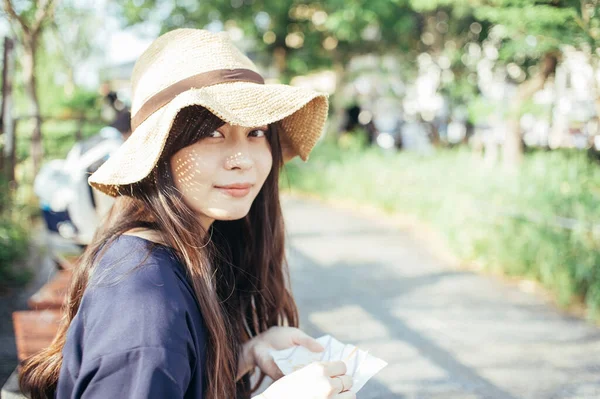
235, 190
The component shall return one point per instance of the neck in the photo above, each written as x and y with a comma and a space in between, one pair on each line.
205, 221
157, 237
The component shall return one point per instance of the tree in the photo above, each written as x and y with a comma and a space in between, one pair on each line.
533, 35
75, 41
295, 36
7, 128
28, 25
588, 20
306, 36
300, 36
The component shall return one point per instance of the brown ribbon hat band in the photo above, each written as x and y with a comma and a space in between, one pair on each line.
209, 78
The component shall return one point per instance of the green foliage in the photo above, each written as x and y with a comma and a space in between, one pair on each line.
479, 110
84, 103
14, 240
354, 141
503, 221
55, 59
51, 93
355, 27
529, 29
58, 138
13, 248
461, 90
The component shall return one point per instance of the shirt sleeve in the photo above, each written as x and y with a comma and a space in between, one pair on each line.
144, 372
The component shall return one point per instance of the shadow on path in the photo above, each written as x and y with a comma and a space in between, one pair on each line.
320, 288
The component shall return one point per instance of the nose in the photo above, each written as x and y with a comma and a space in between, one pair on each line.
239, 160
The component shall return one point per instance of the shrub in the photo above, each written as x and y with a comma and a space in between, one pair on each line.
538, 223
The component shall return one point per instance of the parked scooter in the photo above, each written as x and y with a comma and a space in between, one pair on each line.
70, 206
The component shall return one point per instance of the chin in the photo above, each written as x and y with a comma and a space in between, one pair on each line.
228, 214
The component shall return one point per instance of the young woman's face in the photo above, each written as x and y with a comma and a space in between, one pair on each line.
220, 175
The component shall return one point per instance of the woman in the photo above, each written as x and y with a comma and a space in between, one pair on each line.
183, 291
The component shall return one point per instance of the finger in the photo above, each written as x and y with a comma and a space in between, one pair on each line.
272, 370
335, 368
341, 383
337, 385
345, 395
308, 342
277, 374
346, 380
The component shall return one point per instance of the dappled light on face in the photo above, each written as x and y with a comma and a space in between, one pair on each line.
187, 170
208, 173
238, 160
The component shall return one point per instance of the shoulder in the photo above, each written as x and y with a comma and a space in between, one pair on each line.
131, 270
136, 297
134, 256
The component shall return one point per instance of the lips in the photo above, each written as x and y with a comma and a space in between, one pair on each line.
236, 186
237, 190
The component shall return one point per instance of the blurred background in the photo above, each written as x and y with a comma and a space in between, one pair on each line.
456, 188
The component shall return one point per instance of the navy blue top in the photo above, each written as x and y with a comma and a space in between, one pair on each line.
139, 332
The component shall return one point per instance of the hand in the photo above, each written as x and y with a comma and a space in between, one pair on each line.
278, 338
321, 380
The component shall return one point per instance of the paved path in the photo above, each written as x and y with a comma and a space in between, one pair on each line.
446, 333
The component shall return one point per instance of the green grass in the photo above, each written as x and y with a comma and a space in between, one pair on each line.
503, 220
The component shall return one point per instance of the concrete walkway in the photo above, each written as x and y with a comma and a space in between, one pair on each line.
445, 333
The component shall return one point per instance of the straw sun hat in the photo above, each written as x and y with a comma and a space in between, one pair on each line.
196, 67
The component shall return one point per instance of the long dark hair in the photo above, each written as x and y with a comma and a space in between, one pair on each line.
240, 277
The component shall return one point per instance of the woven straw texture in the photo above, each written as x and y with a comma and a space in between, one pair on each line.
182, 53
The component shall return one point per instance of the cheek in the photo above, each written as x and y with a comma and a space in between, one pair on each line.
264, 162
190, 171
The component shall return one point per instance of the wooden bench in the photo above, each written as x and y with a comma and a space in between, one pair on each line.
66, 261
34, 330
53, 294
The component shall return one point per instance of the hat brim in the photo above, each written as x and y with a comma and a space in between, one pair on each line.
301, 114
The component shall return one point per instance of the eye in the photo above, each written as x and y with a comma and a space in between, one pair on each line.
258, 133
216, 134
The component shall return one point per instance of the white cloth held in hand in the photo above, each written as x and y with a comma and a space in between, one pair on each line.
360, 365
